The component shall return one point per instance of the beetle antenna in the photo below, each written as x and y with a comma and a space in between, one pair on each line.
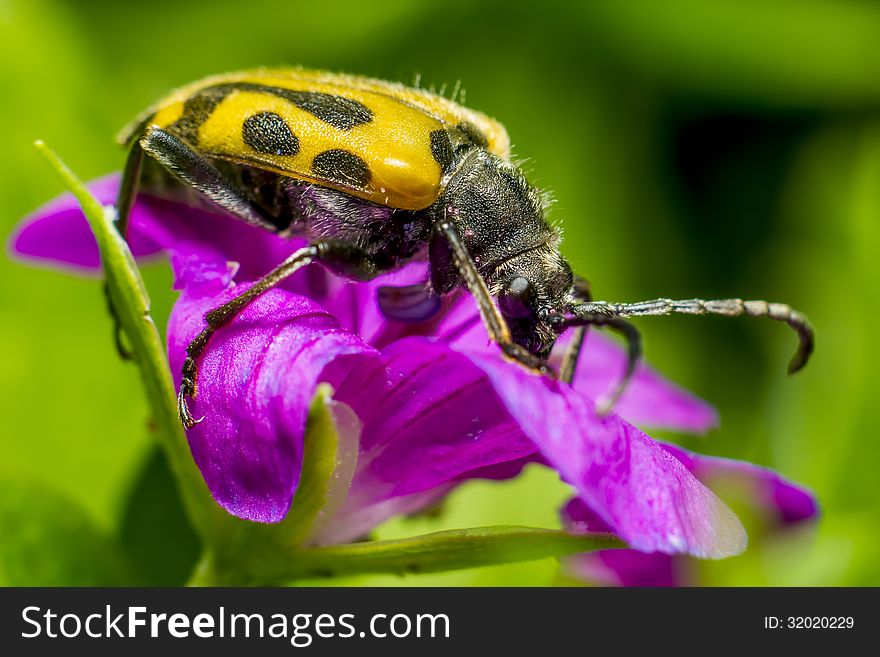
585, 315
725, 307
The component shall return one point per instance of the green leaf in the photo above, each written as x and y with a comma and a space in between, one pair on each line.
47, 540
133, 309
440, 551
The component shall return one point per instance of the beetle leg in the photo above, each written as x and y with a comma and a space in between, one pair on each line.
194, 170
123, 351
331, 253
726, 307
494, 321
124, 200
223, 314
197, 171
351, 261
128, 187
634, 350
572, 354
581, 292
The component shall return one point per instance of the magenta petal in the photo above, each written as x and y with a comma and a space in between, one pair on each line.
429, 417
646, 495
362, 512
357, 307
776, 498
783, 502
580, 518
794, 503
649, 400
430, 420
58, 231
255, 383
617, 567
628, 568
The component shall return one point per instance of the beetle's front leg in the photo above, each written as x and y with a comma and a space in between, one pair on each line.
496, 325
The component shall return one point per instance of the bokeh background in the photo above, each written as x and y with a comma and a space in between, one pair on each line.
694, 148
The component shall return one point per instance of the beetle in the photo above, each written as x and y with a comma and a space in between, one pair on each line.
375, 174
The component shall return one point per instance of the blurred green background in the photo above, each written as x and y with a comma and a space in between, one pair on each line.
694, 148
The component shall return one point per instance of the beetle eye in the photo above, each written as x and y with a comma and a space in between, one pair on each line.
514, 299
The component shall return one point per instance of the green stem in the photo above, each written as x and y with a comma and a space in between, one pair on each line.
440, 551
132, 306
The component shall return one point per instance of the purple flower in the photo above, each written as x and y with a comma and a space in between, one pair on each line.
434, 402
776, 502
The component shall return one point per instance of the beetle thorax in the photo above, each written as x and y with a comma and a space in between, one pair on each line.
498, 214
500, 218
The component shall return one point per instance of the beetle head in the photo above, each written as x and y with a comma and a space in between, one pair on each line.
533, 291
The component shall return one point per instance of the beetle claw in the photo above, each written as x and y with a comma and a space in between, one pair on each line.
183, 412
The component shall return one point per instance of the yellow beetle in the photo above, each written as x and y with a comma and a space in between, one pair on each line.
375, 174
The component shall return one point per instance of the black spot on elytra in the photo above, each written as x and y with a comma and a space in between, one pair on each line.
441, 148
268, 133
338, 111
340, 166
196, 110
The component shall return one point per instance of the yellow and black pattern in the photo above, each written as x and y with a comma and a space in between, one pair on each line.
376, 140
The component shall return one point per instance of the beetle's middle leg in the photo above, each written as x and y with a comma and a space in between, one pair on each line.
336, 255
583, 293
575, 347
634, 352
